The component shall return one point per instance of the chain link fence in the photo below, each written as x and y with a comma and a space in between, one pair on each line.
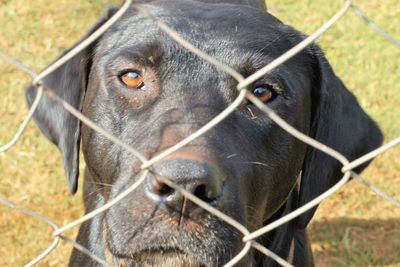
242, 83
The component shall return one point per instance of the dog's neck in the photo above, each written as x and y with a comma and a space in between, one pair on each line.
277, 240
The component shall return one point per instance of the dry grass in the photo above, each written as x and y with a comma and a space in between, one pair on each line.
353, 228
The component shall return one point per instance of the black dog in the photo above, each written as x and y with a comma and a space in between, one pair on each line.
150, 92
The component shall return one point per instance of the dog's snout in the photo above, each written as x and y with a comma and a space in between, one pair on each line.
198, 178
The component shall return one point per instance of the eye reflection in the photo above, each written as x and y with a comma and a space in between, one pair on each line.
132, 80
264, 92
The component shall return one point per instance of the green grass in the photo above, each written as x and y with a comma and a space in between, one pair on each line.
353, 228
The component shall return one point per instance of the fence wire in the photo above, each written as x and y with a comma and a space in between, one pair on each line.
248, 237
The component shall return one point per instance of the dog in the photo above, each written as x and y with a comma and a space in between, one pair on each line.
150, 92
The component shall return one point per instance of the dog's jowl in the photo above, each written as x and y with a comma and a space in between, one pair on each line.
150, 92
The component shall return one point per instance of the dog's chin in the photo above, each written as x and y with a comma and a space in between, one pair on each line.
172, 258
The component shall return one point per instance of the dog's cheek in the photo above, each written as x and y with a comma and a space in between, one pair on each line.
101, 155
274, 171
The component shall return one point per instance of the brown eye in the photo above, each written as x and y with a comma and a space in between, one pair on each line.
132, 80
264, 92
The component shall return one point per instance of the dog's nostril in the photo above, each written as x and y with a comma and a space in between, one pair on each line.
199, 179
165, 190
162, 189
201, 192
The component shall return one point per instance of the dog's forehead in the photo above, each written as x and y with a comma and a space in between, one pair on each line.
241, 37
233, 27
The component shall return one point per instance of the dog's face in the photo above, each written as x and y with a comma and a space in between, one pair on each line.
150, 92
177, 94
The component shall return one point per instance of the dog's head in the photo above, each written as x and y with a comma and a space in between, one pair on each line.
150, 92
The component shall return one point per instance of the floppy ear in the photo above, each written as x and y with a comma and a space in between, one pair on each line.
338, 121
60, 127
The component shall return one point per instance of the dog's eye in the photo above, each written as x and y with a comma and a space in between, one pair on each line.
132, 80
264, 92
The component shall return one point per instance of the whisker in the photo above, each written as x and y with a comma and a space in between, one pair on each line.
98, 183
254, 162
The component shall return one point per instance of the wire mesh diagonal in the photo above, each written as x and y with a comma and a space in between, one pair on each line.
248, 237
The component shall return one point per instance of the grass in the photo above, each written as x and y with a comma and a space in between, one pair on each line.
353, 228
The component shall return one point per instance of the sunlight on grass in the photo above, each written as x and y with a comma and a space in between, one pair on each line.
353, 228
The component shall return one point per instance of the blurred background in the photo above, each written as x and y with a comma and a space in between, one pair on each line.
355, 227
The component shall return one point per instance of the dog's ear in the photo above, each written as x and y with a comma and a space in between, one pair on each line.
338, 121
60, 127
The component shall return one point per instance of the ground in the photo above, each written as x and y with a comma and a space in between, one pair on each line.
353, 228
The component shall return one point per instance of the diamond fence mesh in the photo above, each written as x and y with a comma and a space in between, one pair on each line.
59, 231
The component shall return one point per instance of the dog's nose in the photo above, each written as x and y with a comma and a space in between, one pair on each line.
201, 179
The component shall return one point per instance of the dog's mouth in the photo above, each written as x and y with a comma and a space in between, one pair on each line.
167, 258
150, 235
